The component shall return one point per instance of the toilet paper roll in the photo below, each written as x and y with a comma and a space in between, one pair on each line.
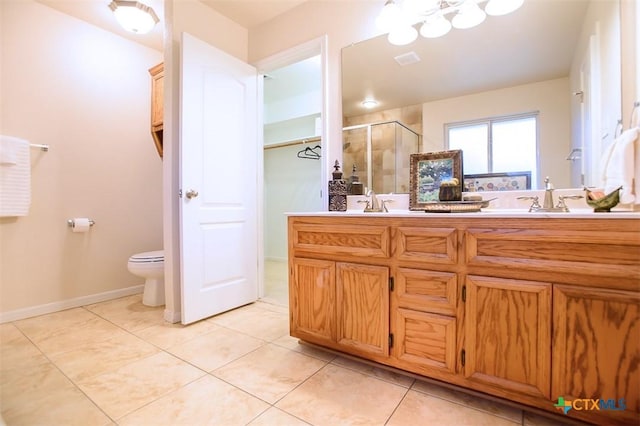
80, 224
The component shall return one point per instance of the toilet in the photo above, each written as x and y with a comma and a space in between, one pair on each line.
150, 266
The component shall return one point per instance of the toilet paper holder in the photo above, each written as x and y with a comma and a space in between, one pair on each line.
71, 223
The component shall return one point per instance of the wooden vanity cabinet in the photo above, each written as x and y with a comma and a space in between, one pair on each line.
340, 304
157, 105
525, 309
508, 335
596, 349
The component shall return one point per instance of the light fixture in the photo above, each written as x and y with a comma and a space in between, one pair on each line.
369, 103
435, 26
398, 17
134, 16
469, 15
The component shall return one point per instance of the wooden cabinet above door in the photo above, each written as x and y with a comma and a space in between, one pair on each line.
157, 105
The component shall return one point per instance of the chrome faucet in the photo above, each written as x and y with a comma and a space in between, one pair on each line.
548, 194
374, 204
547, 204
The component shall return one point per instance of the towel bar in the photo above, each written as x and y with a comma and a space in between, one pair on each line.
45, 148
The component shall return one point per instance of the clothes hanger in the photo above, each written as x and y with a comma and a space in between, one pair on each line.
308, 153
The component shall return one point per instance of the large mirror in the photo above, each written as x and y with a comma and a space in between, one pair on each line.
556, 59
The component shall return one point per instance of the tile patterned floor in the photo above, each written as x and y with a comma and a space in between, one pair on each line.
119, 363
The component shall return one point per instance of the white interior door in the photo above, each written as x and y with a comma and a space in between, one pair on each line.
218, 181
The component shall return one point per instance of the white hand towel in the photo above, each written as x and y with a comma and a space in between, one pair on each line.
9, 148
621, 167
15, 177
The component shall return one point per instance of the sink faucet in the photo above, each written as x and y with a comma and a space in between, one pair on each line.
547, 204
374, 204
548, 194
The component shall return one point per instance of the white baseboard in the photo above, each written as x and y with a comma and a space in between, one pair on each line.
48, 308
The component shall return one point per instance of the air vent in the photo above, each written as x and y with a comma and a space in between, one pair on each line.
407, 58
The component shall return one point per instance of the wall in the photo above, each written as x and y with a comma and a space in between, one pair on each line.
554, 121
290, 184
86, 93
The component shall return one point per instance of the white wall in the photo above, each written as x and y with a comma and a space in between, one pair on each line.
86, 93
290, 184
551, 98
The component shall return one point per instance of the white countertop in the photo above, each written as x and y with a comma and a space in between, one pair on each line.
484, 213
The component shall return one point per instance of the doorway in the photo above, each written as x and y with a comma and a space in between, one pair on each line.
292, 161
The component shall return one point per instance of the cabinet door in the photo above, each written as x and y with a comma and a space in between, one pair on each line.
312, 300
596, 349
362, 293
425, 342
508, 335
157, 95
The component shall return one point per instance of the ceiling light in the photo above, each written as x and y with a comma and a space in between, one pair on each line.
389, 15
402, 35
134, 16
369, 103
398, 17
469, 15
435, 26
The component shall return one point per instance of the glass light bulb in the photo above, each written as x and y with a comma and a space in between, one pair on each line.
369, 103
389, 16
435, 27
468, 16
502, 7
134, 16
400, 36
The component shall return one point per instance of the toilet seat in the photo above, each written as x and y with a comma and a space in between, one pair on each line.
148, 257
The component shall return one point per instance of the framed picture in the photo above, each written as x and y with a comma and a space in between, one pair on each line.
427, 171
512, 181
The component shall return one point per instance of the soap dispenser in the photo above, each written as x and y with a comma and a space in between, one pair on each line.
337, 191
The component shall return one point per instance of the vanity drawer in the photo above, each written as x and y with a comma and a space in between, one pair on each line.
427, 245
426, 291
355, 240
585, 252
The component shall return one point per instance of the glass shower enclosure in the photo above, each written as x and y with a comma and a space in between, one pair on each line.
381, 153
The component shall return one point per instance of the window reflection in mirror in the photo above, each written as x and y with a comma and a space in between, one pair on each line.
560, 58
497, 145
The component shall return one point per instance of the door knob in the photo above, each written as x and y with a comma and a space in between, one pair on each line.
191, 194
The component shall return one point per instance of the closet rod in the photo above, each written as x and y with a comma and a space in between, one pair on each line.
293, 142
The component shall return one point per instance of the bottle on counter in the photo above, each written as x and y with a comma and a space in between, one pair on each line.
337, 191
355, 187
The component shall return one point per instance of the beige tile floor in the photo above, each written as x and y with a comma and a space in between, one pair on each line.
119, 363
276, 279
